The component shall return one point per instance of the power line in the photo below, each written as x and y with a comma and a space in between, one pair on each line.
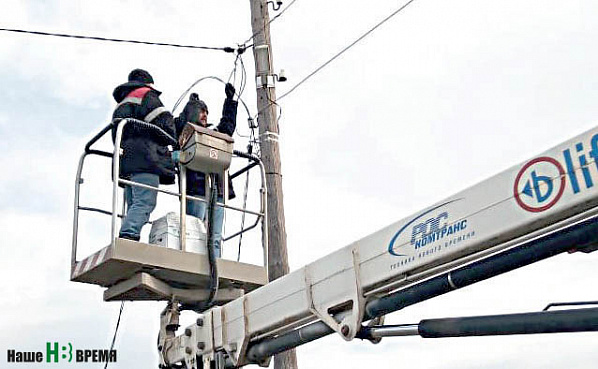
345, 49
122, 305
39, 33
178, 102
270, 21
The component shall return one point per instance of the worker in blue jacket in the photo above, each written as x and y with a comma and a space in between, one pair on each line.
196, 112
145, 155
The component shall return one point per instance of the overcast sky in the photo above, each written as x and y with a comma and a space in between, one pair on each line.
444, 95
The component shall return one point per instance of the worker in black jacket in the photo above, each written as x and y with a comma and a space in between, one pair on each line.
196, 112
145, 156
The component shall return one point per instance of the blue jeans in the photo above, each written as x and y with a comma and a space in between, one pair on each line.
198, 210
140, 203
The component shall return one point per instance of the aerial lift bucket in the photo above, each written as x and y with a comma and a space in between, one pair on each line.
138, 271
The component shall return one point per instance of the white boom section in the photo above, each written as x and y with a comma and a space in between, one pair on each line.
548, 191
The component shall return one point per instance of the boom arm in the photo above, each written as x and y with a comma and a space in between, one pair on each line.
548, 202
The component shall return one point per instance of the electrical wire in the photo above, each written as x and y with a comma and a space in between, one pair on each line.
272, 102
95, 38
252, 141
270, 21
250, 147
239, 92
245, 192
242, 85
122, 305
184, 94
345, 49
243, 76
233, 73
233, 76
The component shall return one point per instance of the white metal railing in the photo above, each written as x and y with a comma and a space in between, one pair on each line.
115, 156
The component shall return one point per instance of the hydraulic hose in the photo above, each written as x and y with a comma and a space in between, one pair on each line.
214, 284
211, 246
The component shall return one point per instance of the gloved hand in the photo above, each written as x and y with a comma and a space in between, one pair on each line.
229, 90
176, 156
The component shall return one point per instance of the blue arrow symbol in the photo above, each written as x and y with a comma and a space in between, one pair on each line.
528, 189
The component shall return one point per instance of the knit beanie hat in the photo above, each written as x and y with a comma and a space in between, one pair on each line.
140, 75
191, 111
194, 100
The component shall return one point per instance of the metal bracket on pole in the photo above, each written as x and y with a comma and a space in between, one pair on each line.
265, 81
351, 322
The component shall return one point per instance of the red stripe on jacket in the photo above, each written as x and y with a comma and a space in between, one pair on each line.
140, 92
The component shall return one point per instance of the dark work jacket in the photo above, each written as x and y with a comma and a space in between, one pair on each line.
227, 125
144, 151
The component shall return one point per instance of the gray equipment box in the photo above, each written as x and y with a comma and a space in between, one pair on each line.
166, 232
205, 150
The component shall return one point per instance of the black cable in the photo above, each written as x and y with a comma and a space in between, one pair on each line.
122, 305
345, 49
39, 33
211, 246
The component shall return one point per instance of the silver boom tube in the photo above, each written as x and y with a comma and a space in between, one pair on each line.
493, 227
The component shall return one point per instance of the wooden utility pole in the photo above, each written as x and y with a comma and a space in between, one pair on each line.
278, 264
